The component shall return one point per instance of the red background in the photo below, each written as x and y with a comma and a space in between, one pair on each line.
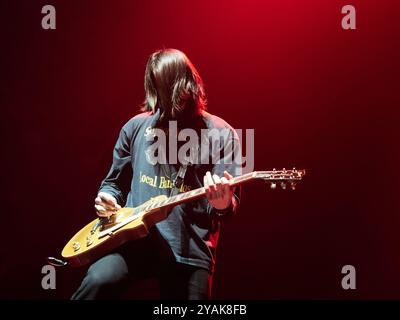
317, 96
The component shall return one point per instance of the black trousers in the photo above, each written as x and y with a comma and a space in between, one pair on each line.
109, 276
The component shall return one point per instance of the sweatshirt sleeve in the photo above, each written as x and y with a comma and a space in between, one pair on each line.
117, 182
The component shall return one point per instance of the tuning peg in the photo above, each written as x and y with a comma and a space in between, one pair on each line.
293, 185
294, 169
273, 185
283, 185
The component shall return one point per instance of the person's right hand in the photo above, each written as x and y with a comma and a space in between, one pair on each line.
105, 204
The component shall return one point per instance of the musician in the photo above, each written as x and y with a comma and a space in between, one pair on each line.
179, 251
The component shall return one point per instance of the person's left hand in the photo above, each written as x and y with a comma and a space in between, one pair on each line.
218, 190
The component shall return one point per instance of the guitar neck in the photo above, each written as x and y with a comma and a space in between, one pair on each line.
200, 192
283, 176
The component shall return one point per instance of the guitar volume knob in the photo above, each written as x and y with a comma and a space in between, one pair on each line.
76, 245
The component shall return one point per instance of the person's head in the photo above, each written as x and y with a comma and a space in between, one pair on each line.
172, 85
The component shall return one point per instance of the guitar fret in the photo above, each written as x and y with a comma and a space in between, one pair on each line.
178, 197
197, 191
242, 178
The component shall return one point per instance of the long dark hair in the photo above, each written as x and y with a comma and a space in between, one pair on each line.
172, 85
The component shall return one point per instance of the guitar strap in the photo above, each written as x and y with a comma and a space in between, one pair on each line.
178, 181
180, 177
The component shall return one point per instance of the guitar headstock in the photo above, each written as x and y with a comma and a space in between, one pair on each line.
280, 177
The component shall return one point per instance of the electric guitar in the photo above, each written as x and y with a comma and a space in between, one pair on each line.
102, 235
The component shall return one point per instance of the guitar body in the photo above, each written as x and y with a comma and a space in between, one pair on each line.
103, 235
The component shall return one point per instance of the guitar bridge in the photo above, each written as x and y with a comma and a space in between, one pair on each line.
107, 222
